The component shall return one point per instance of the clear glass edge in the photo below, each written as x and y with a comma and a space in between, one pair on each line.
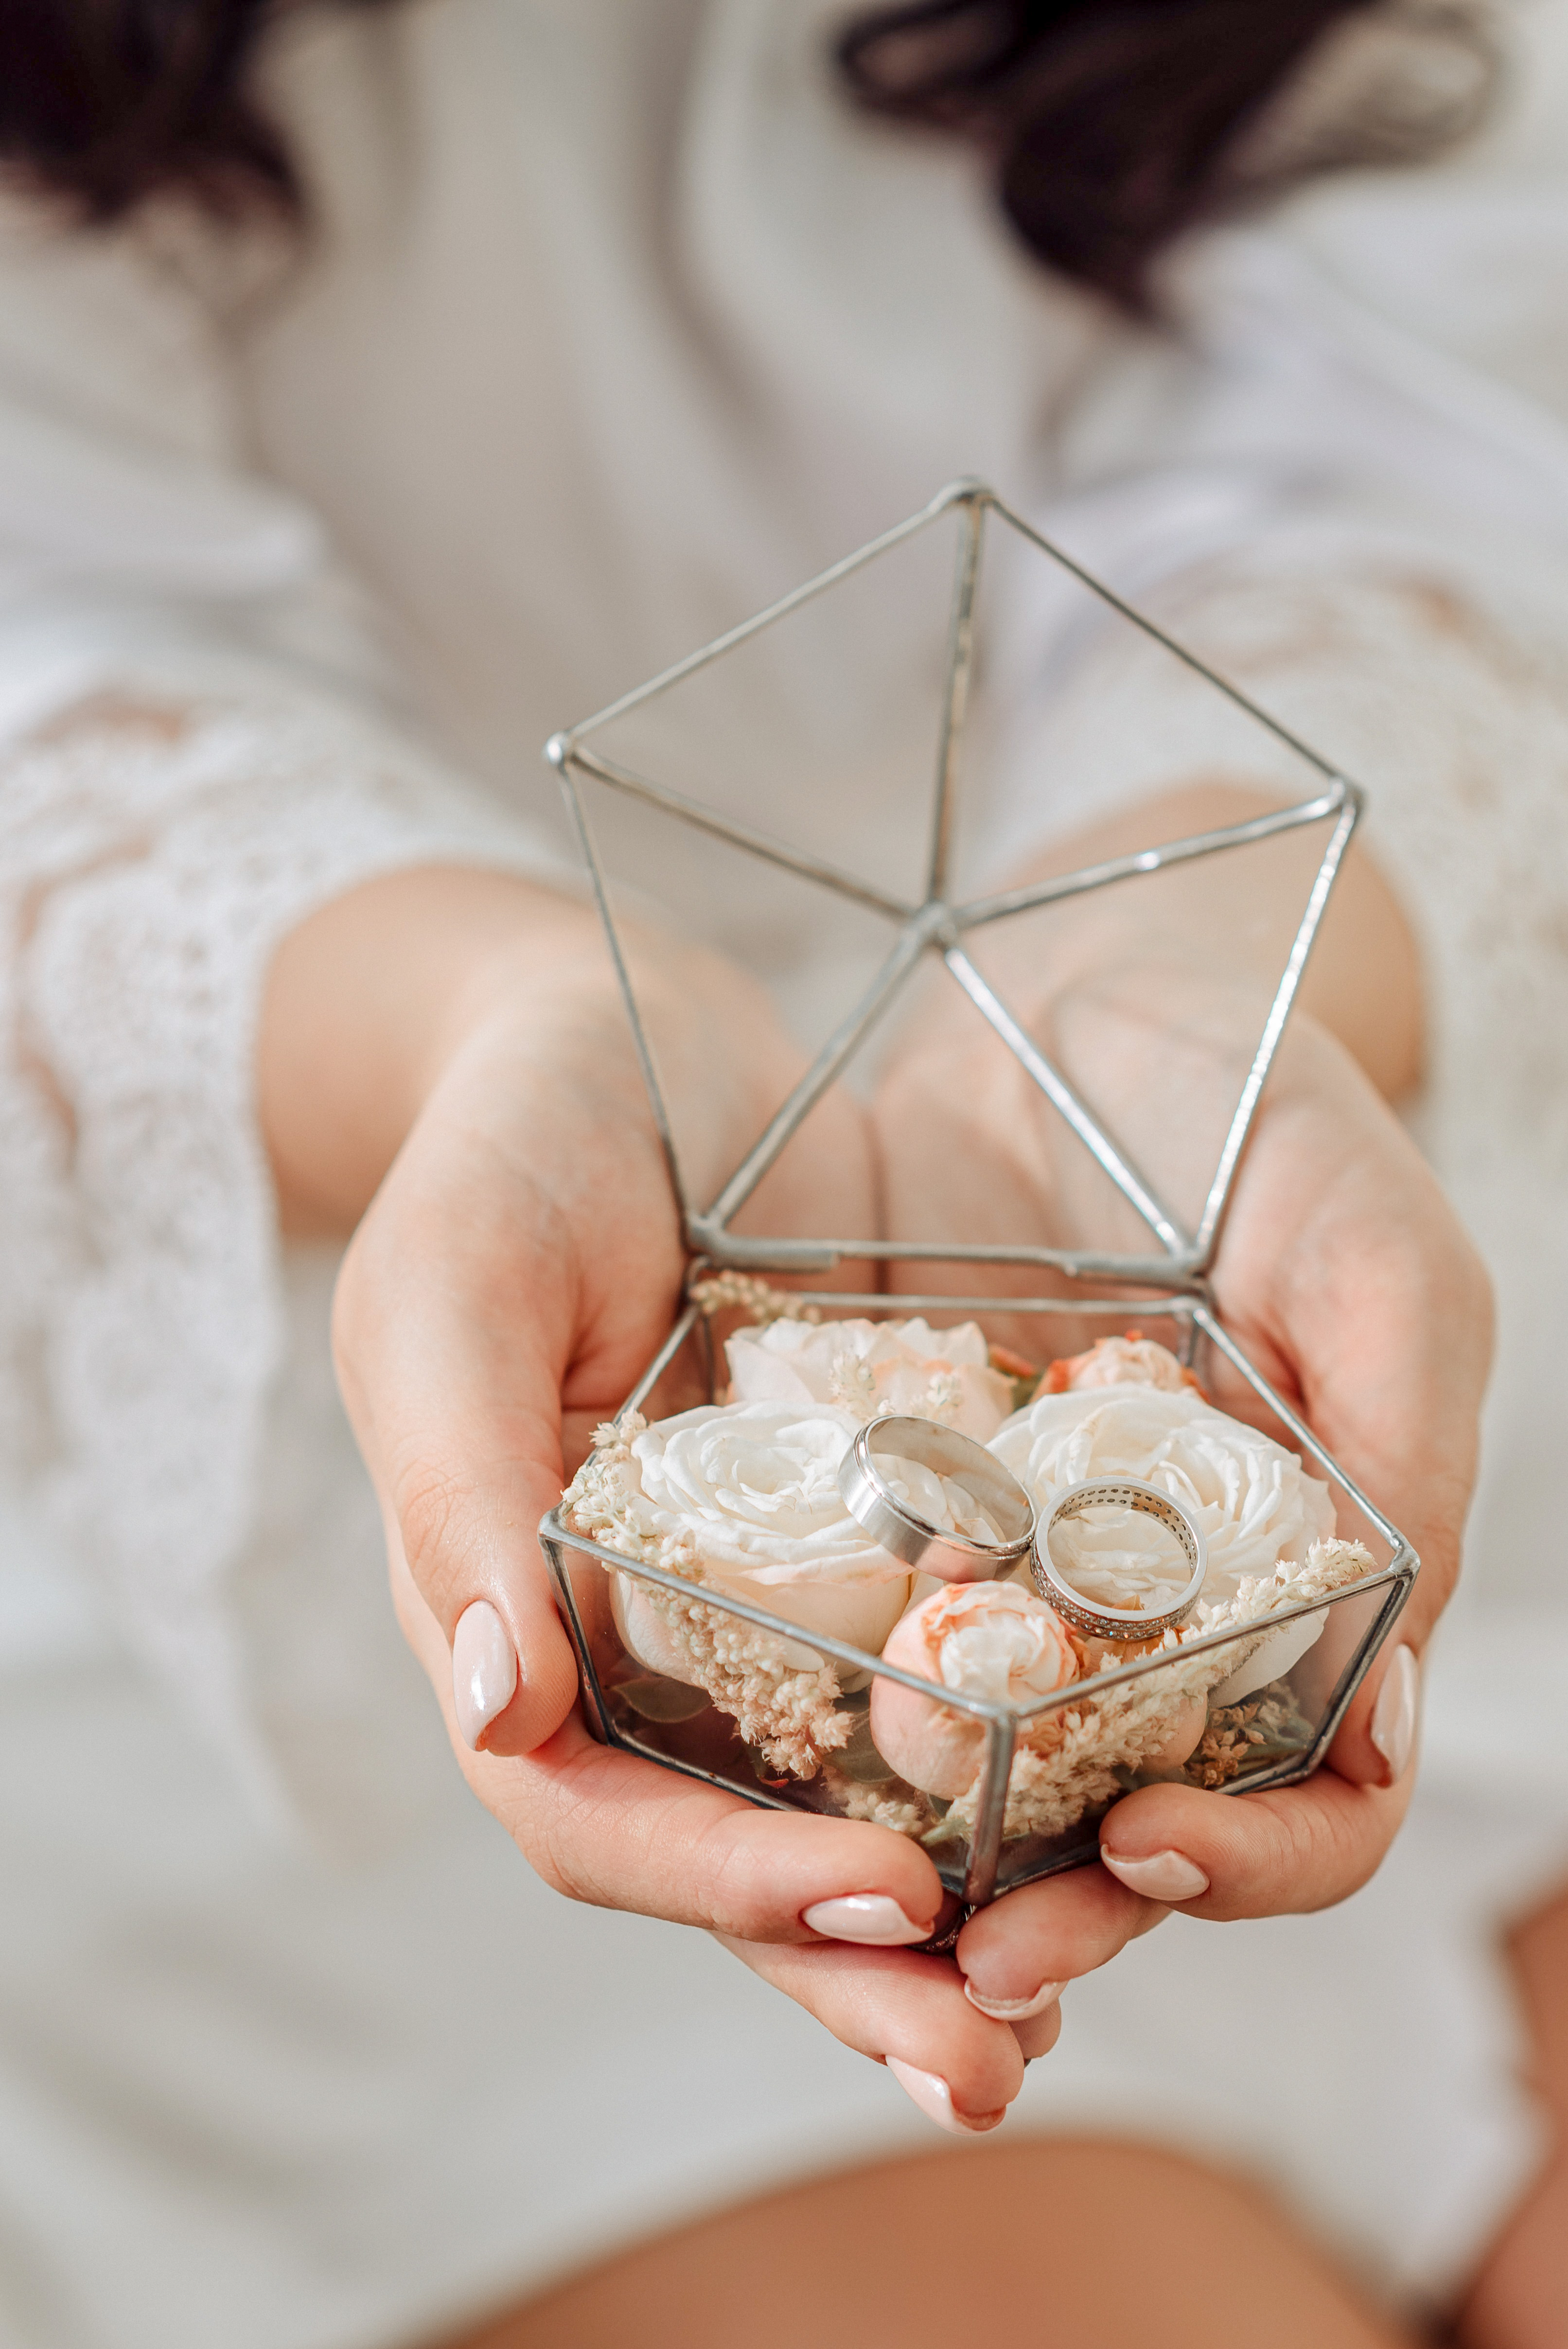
554, 1532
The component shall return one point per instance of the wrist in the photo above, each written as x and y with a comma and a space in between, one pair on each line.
1230, 918
374, 997
452, 990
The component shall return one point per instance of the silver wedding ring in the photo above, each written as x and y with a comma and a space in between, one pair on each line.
1119, 1622
952, 1556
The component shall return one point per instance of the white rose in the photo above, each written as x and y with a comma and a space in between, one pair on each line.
868, 1367
862, 1614
1252, 1498
756, 1487
752, 1488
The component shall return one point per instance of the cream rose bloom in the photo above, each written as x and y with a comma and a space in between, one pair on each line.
987, 1639
1253, 1499
749, 1493
1132, 1361
870, 1367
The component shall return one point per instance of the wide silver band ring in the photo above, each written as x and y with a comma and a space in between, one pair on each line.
935, 1549
1119, 1622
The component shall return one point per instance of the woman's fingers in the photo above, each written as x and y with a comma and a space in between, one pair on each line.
1266, 1854
462, 1319
1349, 1280
466, 1469
609, 1829
910, 2012
1016, 1955
506, 1676
1215, 1855
1375, 1743
1039, 2033
818, 1907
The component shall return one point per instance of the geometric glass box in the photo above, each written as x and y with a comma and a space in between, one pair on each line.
1267, 1700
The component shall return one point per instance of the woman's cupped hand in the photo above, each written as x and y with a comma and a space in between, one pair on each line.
521, 1260
518, 1264
1341, 1269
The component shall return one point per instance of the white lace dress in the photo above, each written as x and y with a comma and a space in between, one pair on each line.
613, 326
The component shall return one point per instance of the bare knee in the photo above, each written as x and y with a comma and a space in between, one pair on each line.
1064, 2243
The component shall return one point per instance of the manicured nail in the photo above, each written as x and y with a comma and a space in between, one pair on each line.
1394, 1715
931, 2092
484, 1669
1014, 2010
1166, 1877
864, 1917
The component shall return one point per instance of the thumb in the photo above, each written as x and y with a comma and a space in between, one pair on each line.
452, 1342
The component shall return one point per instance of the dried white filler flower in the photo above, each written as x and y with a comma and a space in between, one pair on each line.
1075, 1761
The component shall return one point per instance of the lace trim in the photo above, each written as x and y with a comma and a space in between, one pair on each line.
150, 873
1459, 728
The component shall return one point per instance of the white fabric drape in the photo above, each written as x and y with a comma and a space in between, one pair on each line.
612, 324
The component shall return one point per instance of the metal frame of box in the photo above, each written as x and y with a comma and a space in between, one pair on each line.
1172, 1275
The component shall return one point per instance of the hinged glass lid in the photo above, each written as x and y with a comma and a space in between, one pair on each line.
746, 744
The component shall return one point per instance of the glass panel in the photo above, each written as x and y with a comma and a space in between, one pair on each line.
1267, 1720
806, 1715
706, 790
784, 1724
689, 1680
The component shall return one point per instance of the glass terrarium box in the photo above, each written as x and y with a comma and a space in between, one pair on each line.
964, 1535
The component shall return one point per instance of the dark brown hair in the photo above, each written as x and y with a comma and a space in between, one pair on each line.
106, 102
1112, 125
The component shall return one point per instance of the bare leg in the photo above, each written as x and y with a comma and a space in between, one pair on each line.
1520, 2300
1051, 2244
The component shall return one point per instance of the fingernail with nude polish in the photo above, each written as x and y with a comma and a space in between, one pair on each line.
931, 2092
870, 1917
1393, 1728
1167, 1876
1014, 2010
484, 1669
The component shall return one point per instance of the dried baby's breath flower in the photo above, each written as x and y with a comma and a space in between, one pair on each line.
744, 1292
788, 1714
892, 1803
1077, 1760
851, 1384
1270, 1725
594, 1503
